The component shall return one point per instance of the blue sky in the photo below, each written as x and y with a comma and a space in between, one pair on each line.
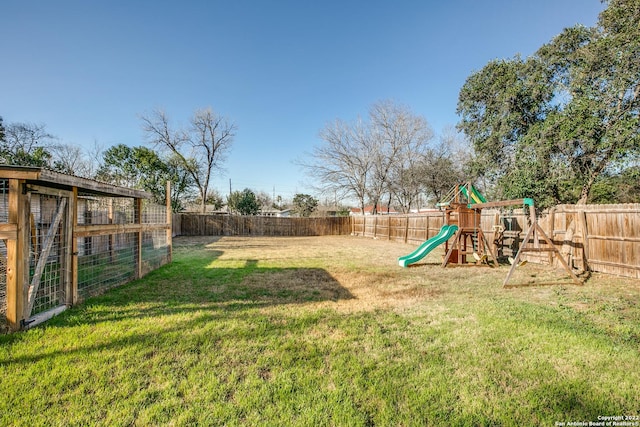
281, 69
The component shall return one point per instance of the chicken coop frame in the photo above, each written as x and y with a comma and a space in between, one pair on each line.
65, 238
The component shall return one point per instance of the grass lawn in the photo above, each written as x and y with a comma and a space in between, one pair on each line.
328, 331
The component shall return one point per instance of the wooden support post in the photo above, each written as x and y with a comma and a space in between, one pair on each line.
17, 254
138, 219
375, 226
110, 243
537, 230
534, 224
552, 220
406, 230
575, 278
516, 259
484, 244
585, 239
456, 241
426, 230
73, 207
169, 224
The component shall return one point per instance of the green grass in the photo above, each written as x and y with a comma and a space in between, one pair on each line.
327, 331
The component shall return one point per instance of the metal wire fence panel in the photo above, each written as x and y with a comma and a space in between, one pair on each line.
106, 210
153, 213
155, 250
106, 265
155, 245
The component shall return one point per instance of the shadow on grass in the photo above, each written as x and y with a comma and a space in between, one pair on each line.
196, 281
190, 294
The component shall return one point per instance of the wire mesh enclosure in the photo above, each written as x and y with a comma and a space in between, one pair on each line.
64, 239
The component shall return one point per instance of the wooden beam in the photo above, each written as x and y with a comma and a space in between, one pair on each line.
17, 254
32, 188
615, 264
138, 219
8, 231
585, 240
37, 176
85, 184
104, 229
498, 204
538, 250
73, 209
615, 238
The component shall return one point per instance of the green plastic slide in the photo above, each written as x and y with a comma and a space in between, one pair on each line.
445, 234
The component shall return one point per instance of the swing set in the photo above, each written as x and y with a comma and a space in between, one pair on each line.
463, 208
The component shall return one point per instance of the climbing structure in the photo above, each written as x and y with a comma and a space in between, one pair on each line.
461, 210
462, 233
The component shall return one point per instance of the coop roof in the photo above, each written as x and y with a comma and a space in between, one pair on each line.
49, 178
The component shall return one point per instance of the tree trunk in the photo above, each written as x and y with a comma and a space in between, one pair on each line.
203, 204
586, 188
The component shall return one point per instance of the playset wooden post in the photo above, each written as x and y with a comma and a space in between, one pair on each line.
469, 239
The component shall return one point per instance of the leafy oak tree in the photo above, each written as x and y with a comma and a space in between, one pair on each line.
551, 125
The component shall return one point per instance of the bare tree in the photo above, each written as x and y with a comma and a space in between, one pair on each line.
200, 149
341, 166
368, 160
71, 159
26, 144
402, 139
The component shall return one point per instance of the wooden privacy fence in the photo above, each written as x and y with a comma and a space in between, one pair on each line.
601, 238
237, 225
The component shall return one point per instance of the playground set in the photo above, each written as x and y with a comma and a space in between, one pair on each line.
462, 233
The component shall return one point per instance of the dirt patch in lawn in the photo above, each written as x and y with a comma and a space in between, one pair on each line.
356, 273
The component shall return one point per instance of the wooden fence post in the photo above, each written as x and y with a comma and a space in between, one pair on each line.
17, 254
585, 239
138, 218
552, 220
73, 207
169, 223
406, 230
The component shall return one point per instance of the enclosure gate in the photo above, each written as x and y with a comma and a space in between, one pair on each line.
49, 286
